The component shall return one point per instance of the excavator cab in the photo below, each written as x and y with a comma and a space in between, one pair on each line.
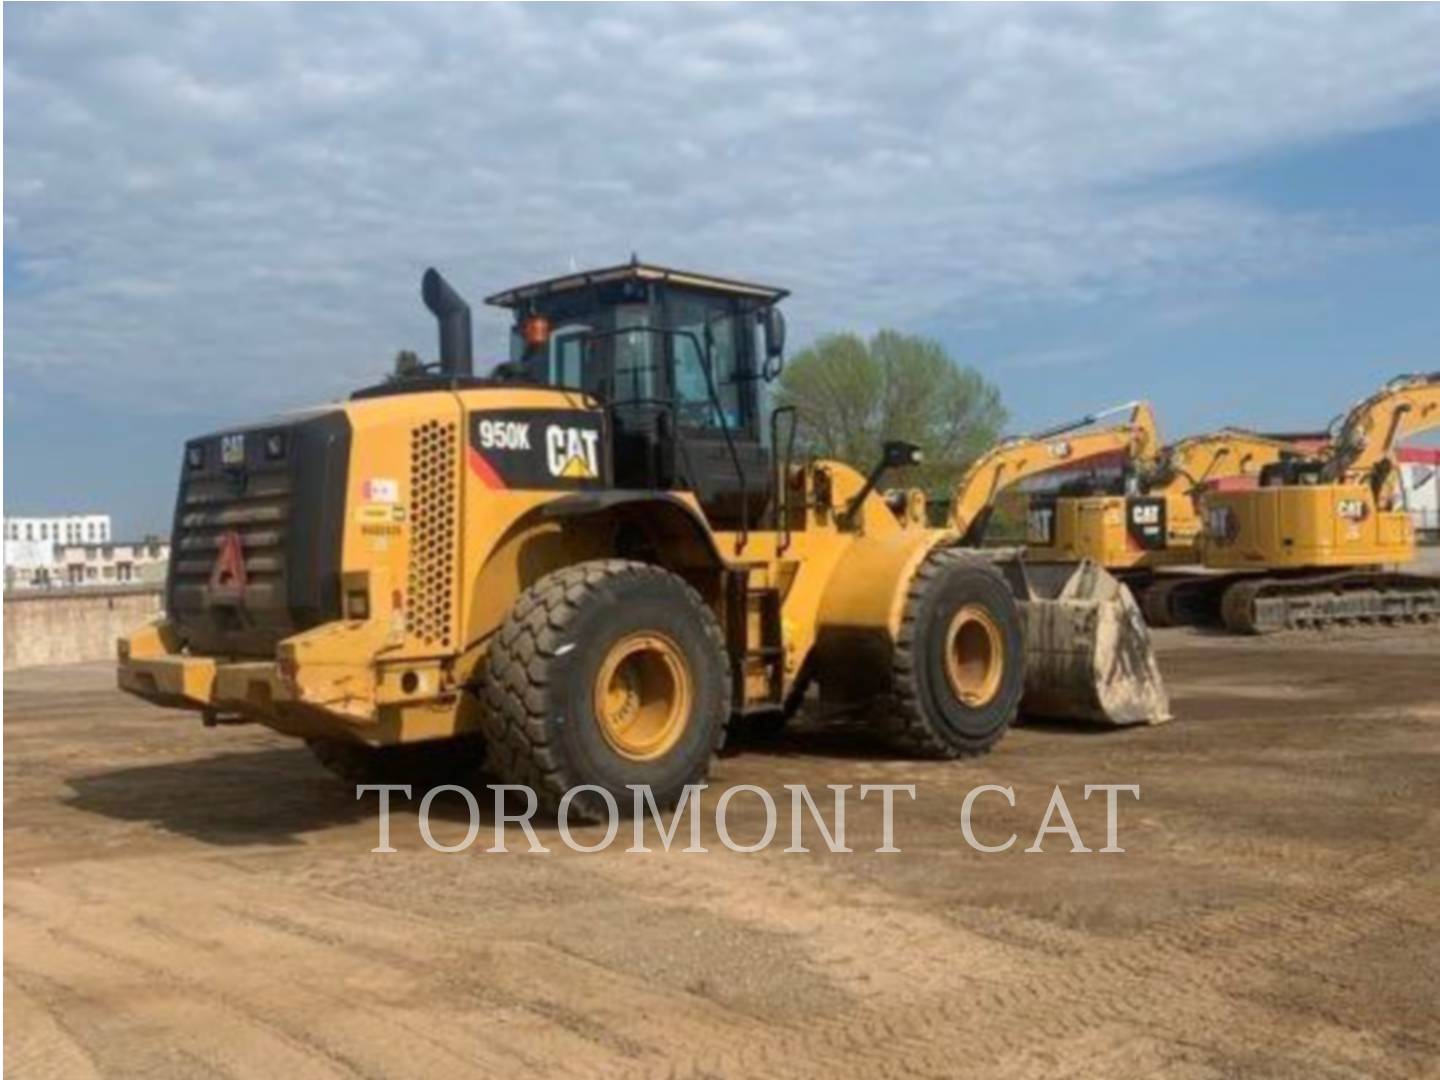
677, 361
1292, 471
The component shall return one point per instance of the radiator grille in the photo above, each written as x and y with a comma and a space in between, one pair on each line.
432, 536
258, 512
274, 495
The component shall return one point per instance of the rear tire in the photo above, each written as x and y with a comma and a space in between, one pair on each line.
609, 673
958, 666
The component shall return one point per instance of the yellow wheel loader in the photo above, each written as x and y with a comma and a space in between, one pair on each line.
1321, 540
585, 567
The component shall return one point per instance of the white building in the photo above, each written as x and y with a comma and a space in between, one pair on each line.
1420, 482
30, 544
59, 529
142, 562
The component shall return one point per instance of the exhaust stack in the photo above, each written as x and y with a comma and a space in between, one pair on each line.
453, 314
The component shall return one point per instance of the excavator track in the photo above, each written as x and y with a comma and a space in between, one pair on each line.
1182, 601
1155, 603
1266, 604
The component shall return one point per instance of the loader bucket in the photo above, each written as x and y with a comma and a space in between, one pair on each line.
1087, 650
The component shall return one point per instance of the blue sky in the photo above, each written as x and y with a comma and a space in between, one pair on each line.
213, 213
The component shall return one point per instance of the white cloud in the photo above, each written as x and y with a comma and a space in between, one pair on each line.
238, 200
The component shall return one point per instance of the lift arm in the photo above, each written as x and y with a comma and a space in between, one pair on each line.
1013, 460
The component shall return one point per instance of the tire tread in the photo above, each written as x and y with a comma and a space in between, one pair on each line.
517, 674
910, 724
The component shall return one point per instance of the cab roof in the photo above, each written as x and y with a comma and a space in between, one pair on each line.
637, 271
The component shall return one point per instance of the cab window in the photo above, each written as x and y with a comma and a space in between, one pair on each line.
692, 316
567, 349
635, 351
587, 347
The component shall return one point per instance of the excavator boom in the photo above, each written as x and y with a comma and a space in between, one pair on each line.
1367, 435
1187, 466
1013, 460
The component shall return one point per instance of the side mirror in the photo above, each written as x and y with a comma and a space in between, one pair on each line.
896, 454
772, 320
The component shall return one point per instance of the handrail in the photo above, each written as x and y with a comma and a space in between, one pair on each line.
782, 474
708, 367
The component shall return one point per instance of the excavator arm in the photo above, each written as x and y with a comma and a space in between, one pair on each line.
1015, 459
1367, 435
1187, 466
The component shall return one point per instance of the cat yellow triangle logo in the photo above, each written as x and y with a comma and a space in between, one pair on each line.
572, 453
577, 469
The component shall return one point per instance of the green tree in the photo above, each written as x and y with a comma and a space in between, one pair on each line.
853, 394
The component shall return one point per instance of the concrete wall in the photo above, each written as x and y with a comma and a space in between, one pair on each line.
68, 626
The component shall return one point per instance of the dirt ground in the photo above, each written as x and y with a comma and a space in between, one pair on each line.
184, 902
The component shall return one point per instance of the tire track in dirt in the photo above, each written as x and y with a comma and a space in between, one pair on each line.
148, 932
1056, 1003
44, 1043
498, 1037
1174, 977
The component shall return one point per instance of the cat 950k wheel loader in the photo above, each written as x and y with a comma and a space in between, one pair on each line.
585, 567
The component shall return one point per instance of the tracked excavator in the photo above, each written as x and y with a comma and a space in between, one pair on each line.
1323, 540
588, 566
1159, 523
1019, 458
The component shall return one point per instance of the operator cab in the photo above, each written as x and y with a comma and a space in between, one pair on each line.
1292, 470
677, 359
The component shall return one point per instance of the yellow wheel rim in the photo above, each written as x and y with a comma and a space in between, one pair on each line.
974, 656
643, 693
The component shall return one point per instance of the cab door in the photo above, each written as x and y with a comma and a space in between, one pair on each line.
720, 454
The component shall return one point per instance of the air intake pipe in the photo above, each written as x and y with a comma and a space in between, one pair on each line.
453, 315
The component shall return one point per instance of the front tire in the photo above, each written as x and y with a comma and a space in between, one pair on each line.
958, 667
609, 673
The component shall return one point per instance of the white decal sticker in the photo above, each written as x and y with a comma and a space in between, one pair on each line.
380, 489
573, 453
232, 449
503, 435
1352, 509
1040, 526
